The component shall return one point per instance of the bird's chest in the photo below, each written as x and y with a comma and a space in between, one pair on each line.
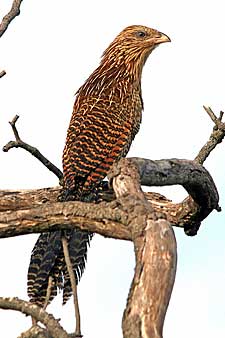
131, 111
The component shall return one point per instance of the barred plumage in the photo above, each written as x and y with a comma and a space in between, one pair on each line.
106, 117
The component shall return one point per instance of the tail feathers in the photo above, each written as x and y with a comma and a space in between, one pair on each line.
42, 265
35, 261
47, 259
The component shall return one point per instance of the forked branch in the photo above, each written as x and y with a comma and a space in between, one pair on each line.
215, 138
18, 143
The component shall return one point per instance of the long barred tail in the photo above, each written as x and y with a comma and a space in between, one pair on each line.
42, 265
47, 259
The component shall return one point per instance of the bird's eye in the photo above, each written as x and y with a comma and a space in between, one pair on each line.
141, 34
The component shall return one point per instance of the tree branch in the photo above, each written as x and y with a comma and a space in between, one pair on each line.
36, 210
215, 138
103, 219
32, 150
14, 11
155, 252
195, 179
51, 324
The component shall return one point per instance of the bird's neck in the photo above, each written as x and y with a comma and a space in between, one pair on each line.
121, 76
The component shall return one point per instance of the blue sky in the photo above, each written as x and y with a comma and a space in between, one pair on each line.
48, 52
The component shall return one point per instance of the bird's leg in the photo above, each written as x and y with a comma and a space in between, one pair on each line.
73, 286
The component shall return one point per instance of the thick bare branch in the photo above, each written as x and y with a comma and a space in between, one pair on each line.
51, 324
103, 219
192, 176
195, 179
37, 211
14, 11
155, 252
155, 270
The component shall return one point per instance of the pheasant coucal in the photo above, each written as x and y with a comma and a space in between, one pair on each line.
106, 117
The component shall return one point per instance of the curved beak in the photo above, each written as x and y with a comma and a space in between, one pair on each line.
162, 38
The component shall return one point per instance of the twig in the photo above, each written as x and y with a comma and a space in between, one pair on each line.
73, 286
48, 293
13, 125
2, 73
32, 150
14, 11
215, 138
51, 324
214, 118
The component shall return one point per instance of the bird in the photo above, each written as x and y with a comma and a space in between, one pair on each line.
106, 116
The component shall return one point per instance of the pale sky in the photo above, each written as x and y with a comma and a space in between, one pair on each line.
48, 52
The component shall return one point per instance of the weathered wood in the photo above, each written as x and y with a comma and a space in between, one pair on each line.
7, 19
37, 209
52, 325
130, 216
155, 252
102, 219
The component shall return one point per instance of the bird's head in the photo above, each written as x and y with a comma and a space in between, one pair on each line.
132, 46
138, 37
123, 60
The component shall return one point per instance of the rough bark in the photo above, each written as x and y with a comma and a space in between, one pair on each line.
52, 325
7, 19
155, 252
23, 212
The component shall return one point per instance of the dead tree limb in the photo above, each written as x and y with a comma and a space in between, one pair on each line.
155, 252
7, 19
18, 143
42, 214
52, 325
215, 138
